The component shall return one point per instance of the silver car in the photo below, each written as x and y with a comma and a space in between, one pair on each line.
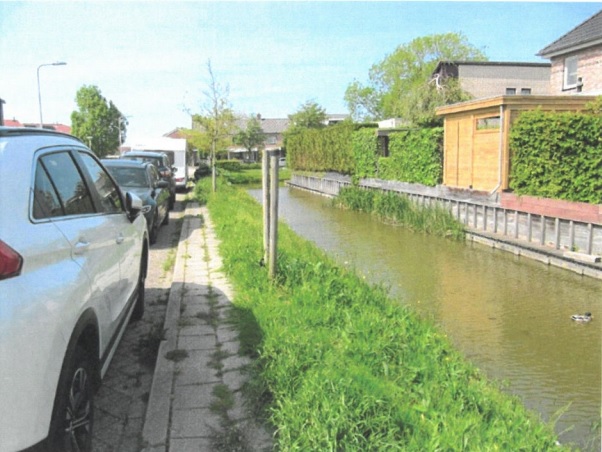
73, 262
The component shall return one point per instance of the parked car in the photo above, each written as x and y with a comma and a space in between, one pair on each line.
144, 180
163, 164
202, 170
73, 263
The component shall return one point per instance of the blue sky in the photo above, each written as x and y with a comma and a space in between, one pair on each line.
150, 57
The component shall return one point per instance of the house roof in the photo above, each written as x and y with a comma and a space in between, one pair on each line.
275, 125
584, 35
488, 63
12, 123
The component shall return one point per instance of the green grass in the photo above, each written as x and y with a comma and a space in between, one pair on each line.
251, 177
340, 366
399, 209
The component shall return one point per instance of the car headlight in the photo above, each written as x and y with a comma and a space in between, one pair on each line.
146, 208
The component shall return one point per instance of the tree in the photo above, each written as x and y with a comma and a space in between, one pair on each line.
215, 124
252, 136
97, 122
310, 115
401, 85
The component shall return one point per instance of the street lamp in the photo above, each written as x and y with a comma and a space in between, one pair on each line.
57, 63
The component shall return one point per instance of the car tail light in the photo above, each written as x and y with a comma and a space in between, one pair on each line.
10, 261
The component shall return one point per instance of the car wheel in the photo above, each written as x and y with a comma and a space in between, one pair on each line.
166, 219
73, 414
138, 311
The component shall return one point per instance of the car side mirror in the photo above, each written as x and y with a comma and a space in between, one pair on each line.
133, 205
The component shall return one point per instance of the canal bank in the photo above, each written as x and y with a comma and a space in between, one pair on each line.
521, 234
509, 315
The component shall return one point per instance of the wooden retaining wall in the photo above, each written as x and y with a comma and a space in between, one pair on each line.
567, 243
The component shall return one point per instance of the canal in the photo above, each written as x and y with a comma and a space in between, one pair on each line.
510, 316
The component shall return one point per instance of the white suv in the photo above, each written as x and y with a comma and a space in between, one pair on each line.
73, 261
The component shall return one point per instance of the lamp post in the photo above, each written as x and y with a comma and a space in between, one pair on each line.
57, 63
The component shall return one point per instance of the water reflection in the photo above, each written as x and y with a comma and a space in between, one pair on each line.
509, 315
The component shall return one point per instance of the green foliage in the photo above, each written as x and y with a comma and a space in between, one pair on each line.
252, 136
557, 155
400, 85
327, 149
229, 165
97, 122
342, 367
594, 107
365, 152
310, 115
415, 156
398, 209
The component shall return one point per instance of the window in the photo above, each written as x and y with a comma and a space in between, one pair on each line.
108, 191
488, 123
510, 91
59, 188
570, 72
525, 91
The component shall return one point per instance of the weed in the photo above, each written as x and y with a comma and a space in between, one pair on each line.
176, 355
148, 345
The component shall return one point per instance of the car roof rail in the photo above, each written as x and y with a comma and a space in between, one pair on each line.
12, 131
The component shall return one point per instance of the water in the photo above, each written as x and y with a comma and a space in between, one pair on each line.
510, 316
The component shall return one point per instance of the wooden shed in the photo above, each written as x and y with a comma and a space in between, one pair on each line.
476, 151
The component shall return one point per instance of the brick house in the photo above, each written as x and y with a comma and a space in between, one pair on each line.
576, 59
483, 79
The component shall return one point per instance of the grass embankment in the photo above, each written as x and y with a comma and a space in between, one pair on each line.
399, 209
340, 366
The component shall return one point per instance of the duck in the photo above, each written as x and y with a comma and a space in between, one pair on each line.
582, 318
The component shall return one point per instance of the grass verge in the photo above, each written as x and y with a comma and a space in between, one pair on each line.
340, 366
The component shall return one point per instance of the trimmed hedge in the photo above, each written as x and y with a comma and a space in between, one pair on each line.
557, 155
321, 149
415, 156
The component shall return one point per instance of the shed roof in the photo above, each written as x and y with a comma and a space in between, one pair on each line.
584, 35
568, 102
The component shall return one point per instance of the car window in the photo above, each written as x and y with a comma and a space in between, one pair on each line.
59, 188
129, 177
154, 175
46, 202
109, 193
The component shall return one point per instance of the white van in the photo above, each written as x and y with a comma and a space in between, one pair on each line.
175, 148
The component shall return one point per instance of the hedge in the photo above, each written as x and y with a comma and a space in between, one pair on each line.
557, 155
415, 156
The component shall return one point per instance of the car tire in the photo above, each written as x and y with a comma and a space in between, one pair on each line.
138, 311
153, 231
75, 396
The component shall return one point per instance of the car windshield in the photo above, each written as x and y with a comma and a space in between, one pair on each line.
130, 177
155, 161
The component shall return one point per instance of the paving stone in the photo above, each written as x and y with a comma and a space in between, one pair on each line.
194, 422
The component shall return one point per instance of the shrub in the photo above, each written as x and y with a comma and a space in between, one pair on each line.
415, 156
557, 155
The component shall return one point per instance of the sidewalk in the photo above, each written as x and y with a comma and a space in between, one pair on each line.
196, 402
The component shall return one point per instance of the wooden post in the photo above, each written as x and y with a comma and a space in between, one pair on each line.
265, 182
273, 257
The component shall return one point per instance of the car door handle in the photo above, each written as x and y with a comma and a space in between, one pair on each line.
81, 247
120, 239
